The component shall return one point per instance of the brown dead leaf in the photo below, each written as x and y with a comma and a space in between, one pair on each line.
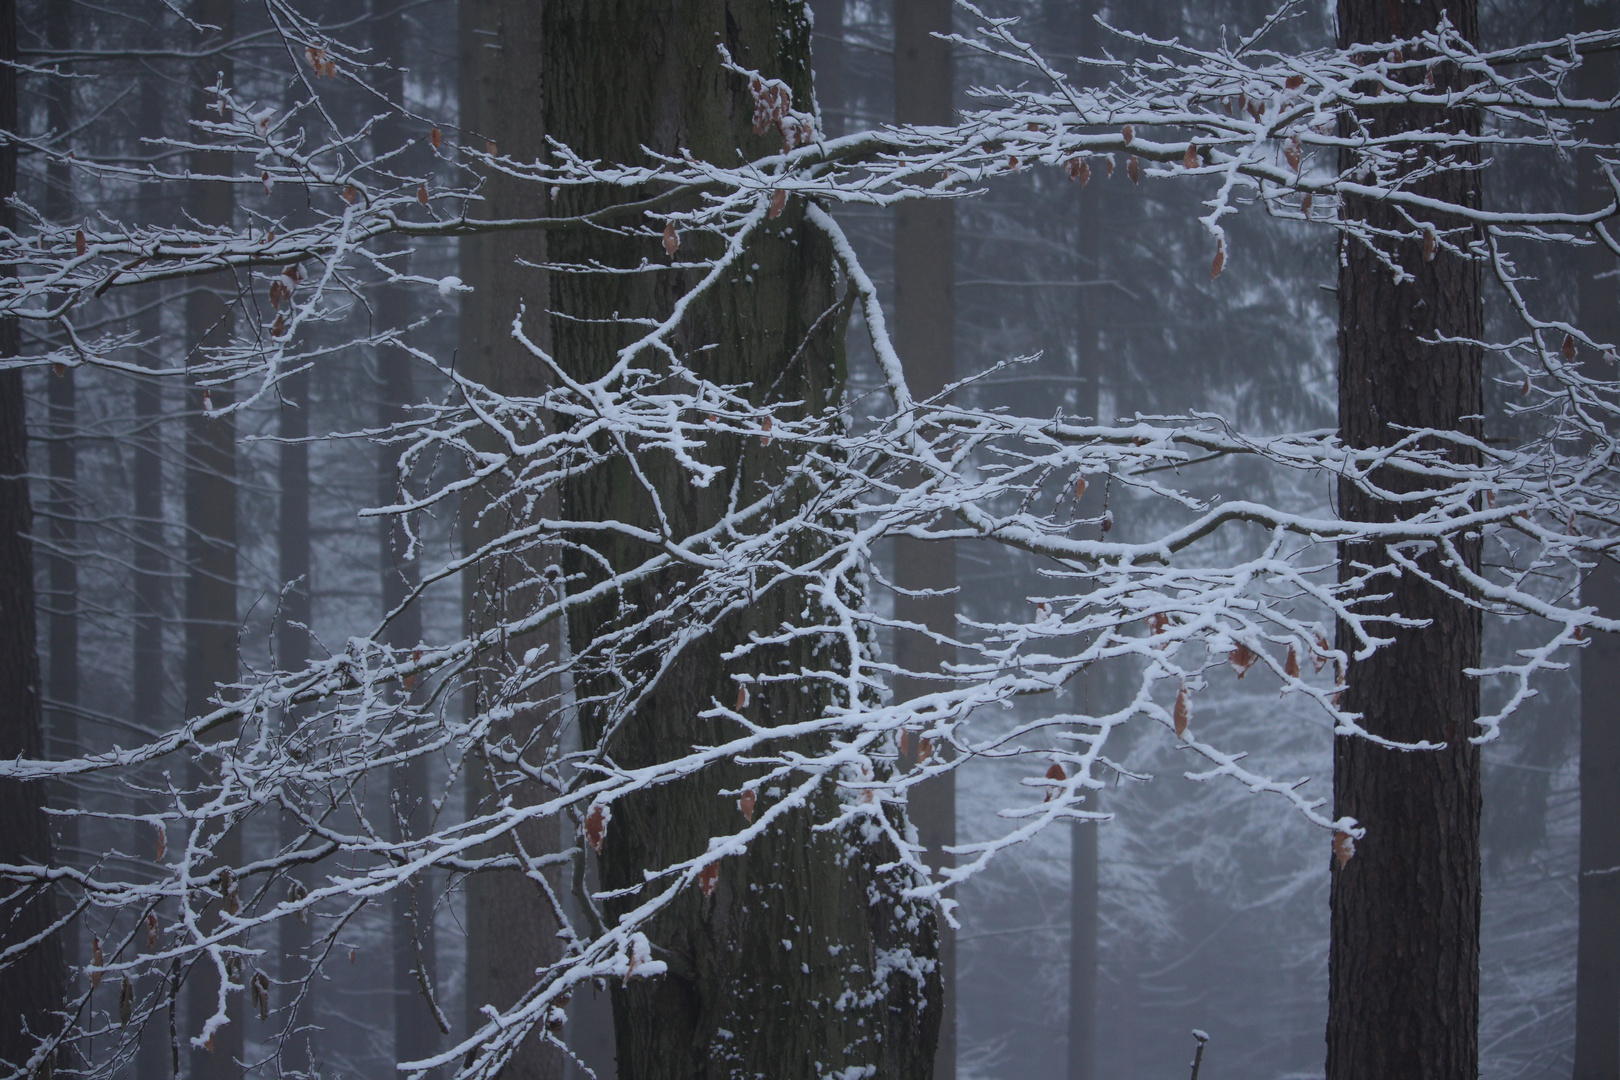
596, 823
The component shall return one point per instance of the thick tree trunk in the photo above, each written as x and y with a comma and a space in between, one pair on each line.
925, 338
737, 1001
32, 986
1404, 959
511, 931
210, 499
1597, 969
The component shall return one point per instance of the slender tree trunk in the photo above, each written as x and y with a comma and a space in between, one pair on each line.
511, 931
925, 337
292, 652
210, 498
1597, 968
1070, 32
414, 950
152, 565
737, 1002
1404, 958
33, 985
62, 530
829, 52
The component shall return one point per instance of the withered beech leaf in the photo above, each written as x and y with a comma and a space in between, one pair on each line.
596, 824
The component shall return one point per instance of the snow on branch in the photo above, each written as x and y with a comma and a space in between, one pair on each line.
1228, 582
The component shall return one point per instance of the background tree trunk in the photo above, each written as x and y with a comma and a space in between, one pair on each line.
292, 652
830, 57
737, 1001
511, 931
416, 1033
925, 338
61, 511
1597, 975
33, 985
1071, 32
1404, 958
210, 498
153, 564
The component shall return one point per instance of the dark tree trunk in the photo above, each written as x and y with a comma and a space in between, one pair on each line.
622, 74
1597, 968
1404, 958
292, 653
925, 338
32, 986
62, 530
511, 932
210, 499
153, 565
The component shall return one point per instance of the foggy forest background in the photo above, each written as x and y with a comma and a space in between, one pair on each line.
1213, 905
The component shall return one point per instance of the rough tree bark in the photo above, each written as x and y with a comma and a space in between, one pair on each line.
1404, 957
1597, 967
32, 985
511, 931
925, 338
210, 500
737, 1001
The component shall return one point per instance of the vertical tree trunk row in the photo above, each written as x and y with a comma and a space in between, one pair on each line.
1404, 956
925, 338
210, 502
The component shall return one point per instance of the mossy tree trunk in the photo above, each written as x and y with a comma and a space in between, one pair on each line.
788, 968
